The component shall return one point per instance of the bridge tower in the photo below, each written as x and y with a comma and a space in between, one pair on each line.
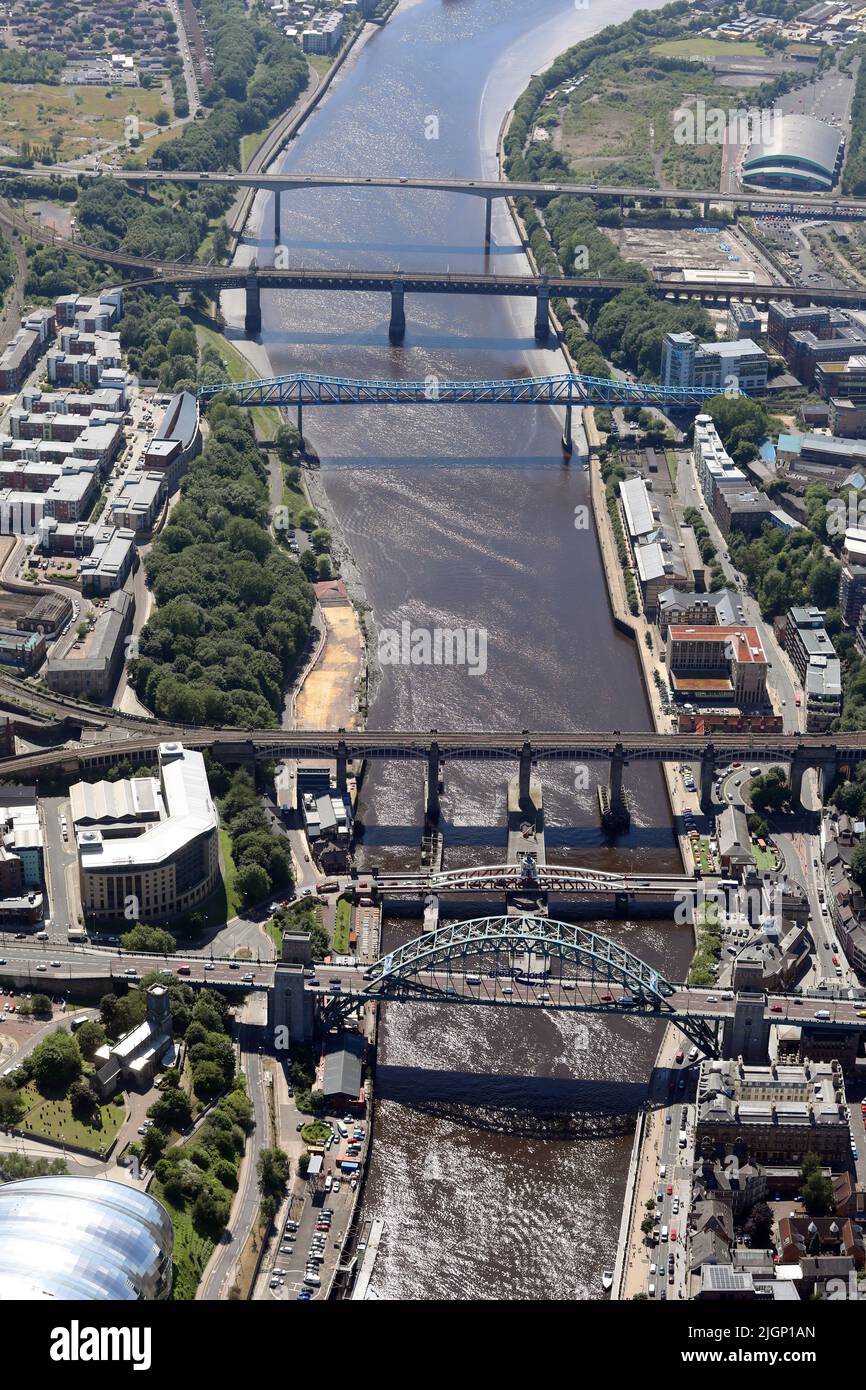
613, 803
542, 312
747, 1034
397, 326
253, 313
524, 787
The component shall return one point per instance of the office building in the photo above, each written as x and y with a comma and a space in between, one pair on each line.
717, 663
773, 1114
716, 365
90, 669
813, 655
149, 842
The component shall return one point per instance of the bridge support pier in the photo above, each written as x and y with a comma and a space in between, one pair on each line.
253, 312
300, 425
798, 768
397, 326
277, 196
708, 773
432, 805
524, 789
342, 768
567, 437
542, 313
488, 217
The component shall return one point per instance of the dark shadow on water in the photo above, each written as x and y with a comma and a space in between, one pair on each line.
541, 1107
373, 249
374, 836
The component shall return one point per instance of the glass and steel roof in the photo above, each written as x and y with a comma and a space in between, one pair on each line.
82, 1238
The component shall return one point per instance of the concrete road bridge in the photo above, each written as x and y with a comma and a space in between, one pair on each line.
486, 190
831, 754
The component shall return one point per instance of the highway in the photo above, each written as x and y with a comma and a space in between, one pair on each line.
507, 989
481, 188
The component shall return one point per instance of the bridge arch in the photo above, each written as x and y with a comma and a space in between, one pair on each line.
565, 949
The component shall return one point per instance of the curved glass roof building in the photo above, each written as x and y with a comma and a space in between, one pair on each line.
794, 152
82, 1238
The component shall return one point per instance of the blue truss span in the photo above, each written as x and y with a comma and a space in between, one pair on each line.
311, 388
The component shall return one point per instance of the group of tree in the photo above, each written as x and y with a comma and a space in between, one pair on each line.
201, 1175
171, 224
209, 1046
233, 609
305, 915
257, 74
816, 1190
770, 791
17, 65
263, 860
854, 172
160, 343
51, 271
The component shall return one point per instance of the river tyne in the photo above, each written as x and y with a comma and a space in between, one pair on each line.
502, 1137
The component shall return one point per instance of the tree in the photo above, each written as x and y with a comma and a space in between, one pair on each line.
210, 1213
41, 1004
56, 1061
172, 1109
770, 792
273, 1170
858, 864
90, 1036
207, 1080
759, 1225
153, 1144
815, 1188
253, 883
11, 1105
142, 938
83, 1100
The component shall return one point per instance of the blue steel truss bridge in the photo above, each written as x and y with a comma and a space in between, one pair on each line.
564, 389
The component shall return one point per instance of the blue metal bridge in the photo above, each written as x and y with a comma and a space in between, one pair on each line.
566, 389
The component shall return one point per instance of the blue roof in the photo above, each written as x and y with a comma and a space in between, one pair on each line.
789, 443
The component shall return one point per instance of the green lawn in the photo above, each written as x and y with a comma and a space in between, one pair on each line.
238, 368
700, 47
232, 898
671, 461
275, 934
764, 858
53, 1119
342, 927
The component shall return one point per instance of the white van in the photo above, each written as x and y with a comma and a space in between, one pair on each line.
329, 1183
312, 1281
663, 1234
344, 1133
663, 1170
